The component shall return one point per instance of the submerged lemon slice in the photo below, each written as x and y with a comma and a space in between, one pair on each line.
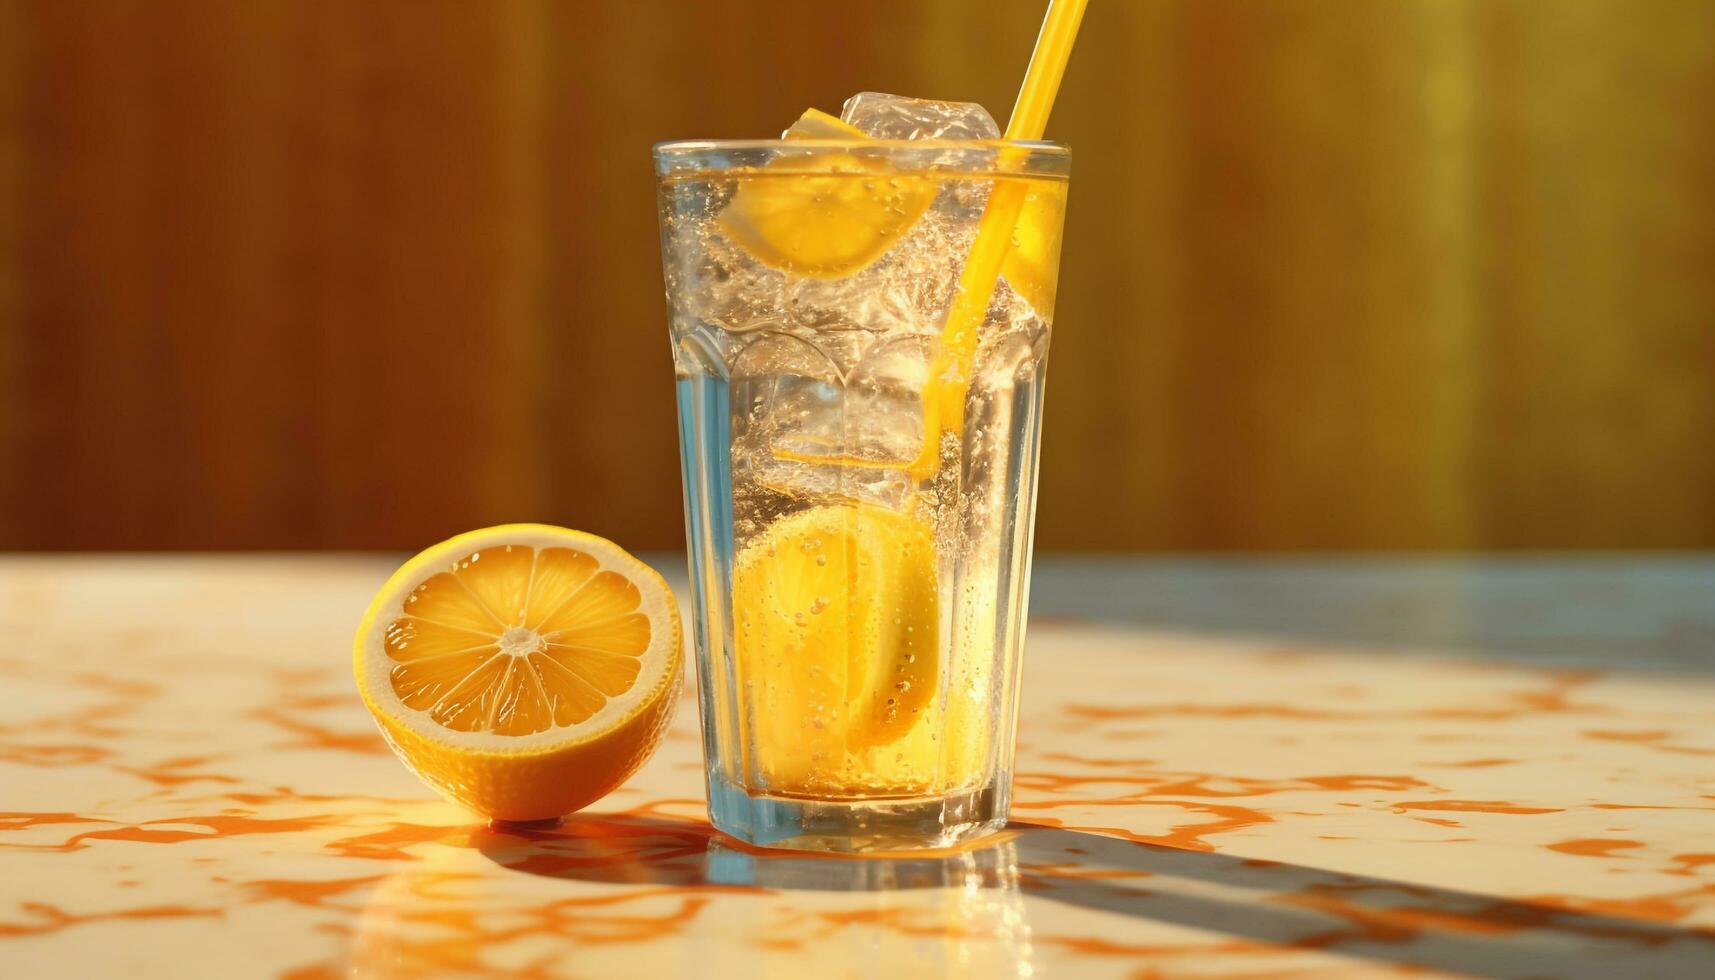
523, 671
824, 223
835, 615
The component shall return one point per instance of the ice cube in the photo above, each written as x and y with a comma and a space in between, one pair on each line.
886, 116
896, 117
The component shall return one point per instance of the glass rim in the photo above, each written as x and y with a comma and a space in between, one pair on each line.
1032, 158
691, 145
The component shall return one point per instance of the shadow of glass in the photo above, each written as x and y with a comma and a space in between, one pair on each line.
1273, 905
1290, 906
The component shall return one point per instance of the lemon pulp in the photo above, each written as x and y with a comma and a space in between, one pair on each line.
830, 223
839, 662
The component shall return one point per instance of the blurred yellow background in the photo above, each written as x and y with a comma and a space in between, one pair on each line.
1339, 274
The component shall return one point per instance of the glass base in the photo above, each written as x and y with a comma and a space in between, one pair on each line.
856, 827
983, 865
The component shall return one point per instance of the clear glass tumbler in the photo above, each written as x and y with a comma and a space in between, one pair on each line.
860, 472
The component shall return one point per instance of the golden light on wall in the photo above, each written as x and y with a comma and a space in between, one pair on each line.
1338, 273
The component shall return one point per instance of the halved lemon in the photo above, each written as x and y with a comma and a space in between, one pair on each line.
832, 221
523, 671
835, 620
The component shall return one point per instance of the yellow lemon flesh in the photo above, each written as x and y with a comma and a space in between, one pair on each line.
836, 616
815, 124
825, 215
523, 671
1032, 266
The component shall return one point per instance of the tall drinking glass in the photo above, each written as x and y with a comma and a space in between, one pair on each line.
860, 476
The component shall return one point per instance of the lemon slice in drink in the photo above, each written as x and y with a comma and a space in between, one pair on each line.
523, 671
825, 215
815, 124
835, 618
1032, 266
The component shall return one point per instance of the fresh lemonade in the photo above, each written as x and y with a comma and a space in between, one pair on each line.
860, 484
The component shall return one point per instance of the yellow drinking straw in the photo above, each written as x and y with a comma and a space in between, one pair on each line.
944, 398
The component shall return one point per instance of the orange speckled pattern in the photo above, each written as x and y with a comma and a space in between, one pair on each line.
1313, 769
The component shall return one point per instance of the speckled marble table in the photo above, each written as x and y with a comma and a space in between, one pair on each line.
1328, 769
